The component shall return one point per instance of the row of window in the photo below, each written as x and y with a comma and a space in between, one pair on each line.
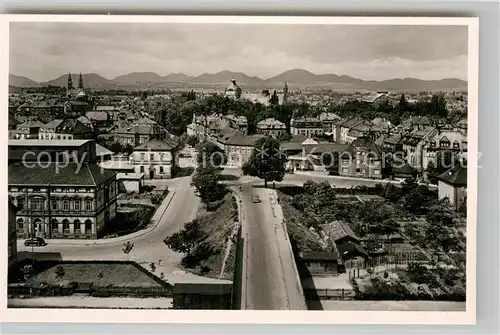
163, 157
446, 144
141, 169
54, 225
359, 172
65, 205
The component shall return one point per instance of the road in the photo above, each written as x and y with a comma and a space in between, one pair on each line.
148, 247
269, 279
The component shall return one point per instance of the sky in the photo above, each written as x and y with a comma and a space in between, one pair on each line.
44, 51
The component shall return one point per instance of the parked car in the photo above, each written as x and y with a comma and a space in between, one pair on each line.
36, 241
256, 199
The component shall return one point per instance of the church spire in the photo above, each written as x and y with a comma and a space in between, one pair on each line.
80, 82
70, 82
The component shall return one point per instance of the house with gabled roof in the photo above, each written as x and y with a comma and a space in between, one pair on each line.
452, 184
156, 158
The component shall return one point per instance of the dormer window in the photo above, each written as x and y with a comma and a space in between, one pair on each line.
432, 144
456, 145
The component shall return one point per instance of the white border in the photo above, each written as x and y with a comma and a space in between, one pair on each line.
264, 317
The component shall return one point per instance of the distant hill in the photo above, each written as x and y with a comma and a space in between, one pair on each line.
139, 77
19, 81
296, 79
90, 80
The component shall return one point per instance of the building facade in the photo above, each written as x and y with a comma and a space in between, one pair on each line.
362, 159
307, 126
271, 127
67, 129
75, 201
157, 159
12, 237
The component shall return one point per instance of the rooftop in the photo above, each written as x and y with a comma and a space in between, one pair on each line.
54, 174
456, 176
158, 145
47, 143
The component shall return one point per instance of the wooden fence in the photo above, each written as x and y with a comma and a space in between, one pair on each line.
329, 294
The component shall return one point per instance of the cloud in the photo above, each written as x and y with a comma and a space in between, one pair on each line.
367, 52
54, 50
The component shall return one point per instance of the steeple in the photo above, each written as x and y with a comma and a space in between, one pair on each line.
80, 82
70, 82
285, 92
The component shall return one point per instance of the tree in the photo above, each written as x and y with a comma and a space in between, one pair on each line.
210, 155
267, 161
206, 182
444, 161
274, 100
127, 248
186, 239
403, 104
60, 271
192, 141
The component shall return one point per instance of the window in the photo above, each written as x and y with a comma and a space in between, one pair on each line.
162, 156
143, 155
376, 171
20, 224
55, 226
345, 170
66, 226
142, 169
54, 205
88, 205
77, 204
456, 145
161, 169
152, 157
20, 203
66, 205
433, 144
37, 205
345, 161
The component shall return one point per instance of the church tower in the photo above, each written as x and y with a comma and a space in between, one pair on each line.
80, 82
285, 92
70, 82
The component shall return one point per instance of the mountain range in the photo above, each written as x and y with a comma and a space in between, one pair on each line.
296, 79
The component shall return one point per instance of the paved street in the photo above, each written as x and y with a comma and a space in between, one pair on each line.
148, 247
269, 279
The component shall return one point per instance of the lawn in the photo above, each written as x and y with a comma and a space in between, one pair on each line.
100, 274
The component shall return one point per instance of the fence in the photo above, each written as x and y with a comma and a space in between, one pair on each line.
330, 294
402, 258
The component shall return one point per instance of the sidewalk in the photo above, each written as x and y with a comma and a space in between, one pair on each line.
155, 219
92, 302
293, 283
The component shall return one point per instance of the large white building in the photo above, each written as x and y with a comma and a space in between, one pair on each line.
157, 159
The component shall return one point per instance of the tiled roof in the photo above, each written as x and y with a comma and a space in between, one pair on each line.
97, 115
242, 140
347, 248
456, 176
337, 230
102, 151
105, 108
320, 256
270, 122
72, 174
30, 124
53, 124
158, 145
46, 143
367, 143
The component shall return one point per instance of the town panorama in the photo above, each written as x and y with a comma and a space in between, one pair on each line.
226, 191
